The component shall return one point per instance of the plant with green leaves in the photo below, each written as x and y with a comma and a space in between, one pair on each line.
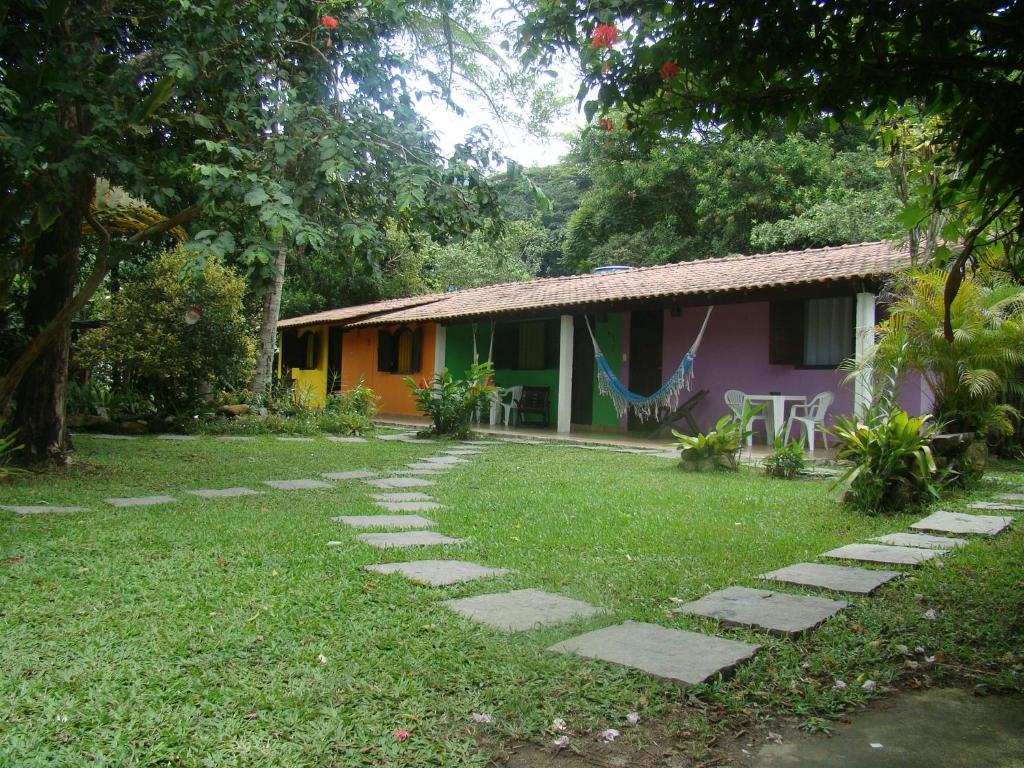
450, 403
720, 448
893, 467
971, 376
787, 460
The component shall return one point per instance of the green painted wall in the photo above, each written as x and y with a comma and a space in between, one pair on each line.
609, 338
459, 356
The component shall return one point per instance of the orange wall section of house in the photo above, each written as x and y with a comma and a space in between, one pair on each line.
359, 360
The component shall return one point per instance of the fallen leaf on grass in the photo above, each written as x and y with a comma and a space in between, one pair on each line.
561, 742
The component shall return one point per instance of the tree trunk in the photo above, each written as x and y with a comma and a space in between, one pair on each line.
263, 374
39, 411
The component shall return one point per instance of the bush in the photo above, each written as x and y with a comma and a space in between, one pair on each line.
720, 448
893, 465
787, 460
148, 344
450, 403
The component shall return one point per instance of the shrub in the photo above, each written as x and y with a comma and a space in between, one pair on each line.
893, 465
359, 399
787, 460
8, 447
719, 448
148, 343
450, 403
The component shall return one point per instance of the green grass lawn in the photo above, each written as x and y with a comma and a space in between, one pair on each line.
227, 632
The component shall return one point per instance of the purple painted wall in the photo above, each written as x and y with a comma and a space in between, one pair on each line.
734, 355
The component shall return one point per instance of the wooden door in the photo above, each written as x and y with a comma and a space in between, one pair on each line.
334, 343
582, 374
646, 330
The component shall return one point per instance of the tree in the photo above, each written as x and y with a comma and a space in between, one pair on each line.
684, 65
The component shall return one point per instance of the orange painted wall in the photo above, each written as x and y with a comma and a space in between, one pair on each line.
359, 359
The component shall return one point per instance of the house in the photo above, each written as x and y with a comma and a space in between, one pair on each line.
782, 322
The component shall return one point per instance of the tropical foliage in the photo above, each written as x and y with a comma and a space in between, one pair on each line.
450, 403
720, 448
786, 461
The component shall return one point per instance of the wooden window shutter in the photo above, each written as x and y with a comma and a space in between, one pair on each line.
506, 346
552, 338
309, 345
786, 333
385, 352
293, 350
417, 350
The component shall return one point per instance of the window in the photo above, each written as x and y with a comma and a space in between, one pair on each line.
530, 351
813, 333
528, 346
299, 350
399, 352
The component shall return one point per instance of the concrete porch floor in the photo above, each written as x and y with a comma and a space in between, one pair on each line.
588, 437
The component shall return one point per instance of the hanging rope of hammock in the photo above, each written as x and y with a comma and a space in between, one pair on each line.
646, 406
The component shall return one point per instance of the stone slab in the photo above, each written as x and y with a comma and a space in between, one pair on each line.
384, 521
419, 472
41, 509
402, 436
295, 439
1010, 496
838, 578
140, 501
346, 439
409, 539
224, 493
473, 452
429, 466
959, 522
177, 437
401, 496
444, 460
105, 436
351, 474
922, 540
883, 553
522, 609
400, 482
296, 485
235, 438
778, 612
998, 506
689, 658
409, 506
438, 573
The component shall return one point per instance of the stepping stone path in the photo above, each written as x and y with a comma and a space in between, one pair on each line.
420, 472
224, 493
352, 474
522, 609
883, 553
409, 506
140, 501
41, 509
922, 540
777, 612
1010, 496
295, 439
236, 437
103, 436
346, 439
402, 540
439, 573
384, 521
444, 460
838, 578
958, 522
996, 505
685, 657
177, 437
401, 496
296, 485
400, 482
408, 437
471, 452
427, 466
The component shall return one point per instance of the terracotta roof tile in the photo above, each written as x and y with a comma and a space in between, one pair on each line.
359, 311
706, 277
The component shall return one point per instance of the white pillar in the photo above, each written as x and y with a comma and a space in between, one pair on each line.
565, 373
864, 344
440, 346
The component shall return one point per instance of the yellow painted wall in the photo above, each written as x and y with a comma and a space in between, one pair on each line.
359, 360
313, 380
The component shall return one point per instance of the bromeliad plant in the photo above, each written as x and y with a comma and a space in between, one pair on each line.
893, 467
719, 448
450, 403
787, 460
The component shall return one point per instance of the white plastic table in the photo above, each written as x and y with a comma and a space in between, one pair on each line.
775, 417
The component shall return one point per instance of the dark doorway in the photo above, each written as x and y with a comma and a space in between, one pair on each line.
582, 374
334, 337
645, 337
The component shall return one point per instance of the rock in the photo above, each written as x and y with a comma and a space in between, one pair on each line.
89, 421
135, 427
238, 409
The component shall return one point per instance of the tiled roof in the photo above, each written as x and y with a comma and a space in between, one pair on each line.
707, 277
359, 311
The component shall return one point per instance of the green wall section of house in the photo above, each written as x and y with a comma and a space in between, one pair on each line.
459, 356
609, 338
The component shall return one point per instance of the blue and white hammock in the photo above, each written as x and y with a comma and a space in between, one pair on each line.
646, 406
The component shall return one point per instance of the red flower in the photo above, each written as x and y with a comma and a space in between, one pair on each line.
606, 68
606, 123
329, 21
669, 70
401, 735
604, 36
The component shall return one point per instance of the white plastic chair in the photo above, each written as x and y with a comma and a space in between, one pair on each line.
734, 398
510, 398
811, 417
